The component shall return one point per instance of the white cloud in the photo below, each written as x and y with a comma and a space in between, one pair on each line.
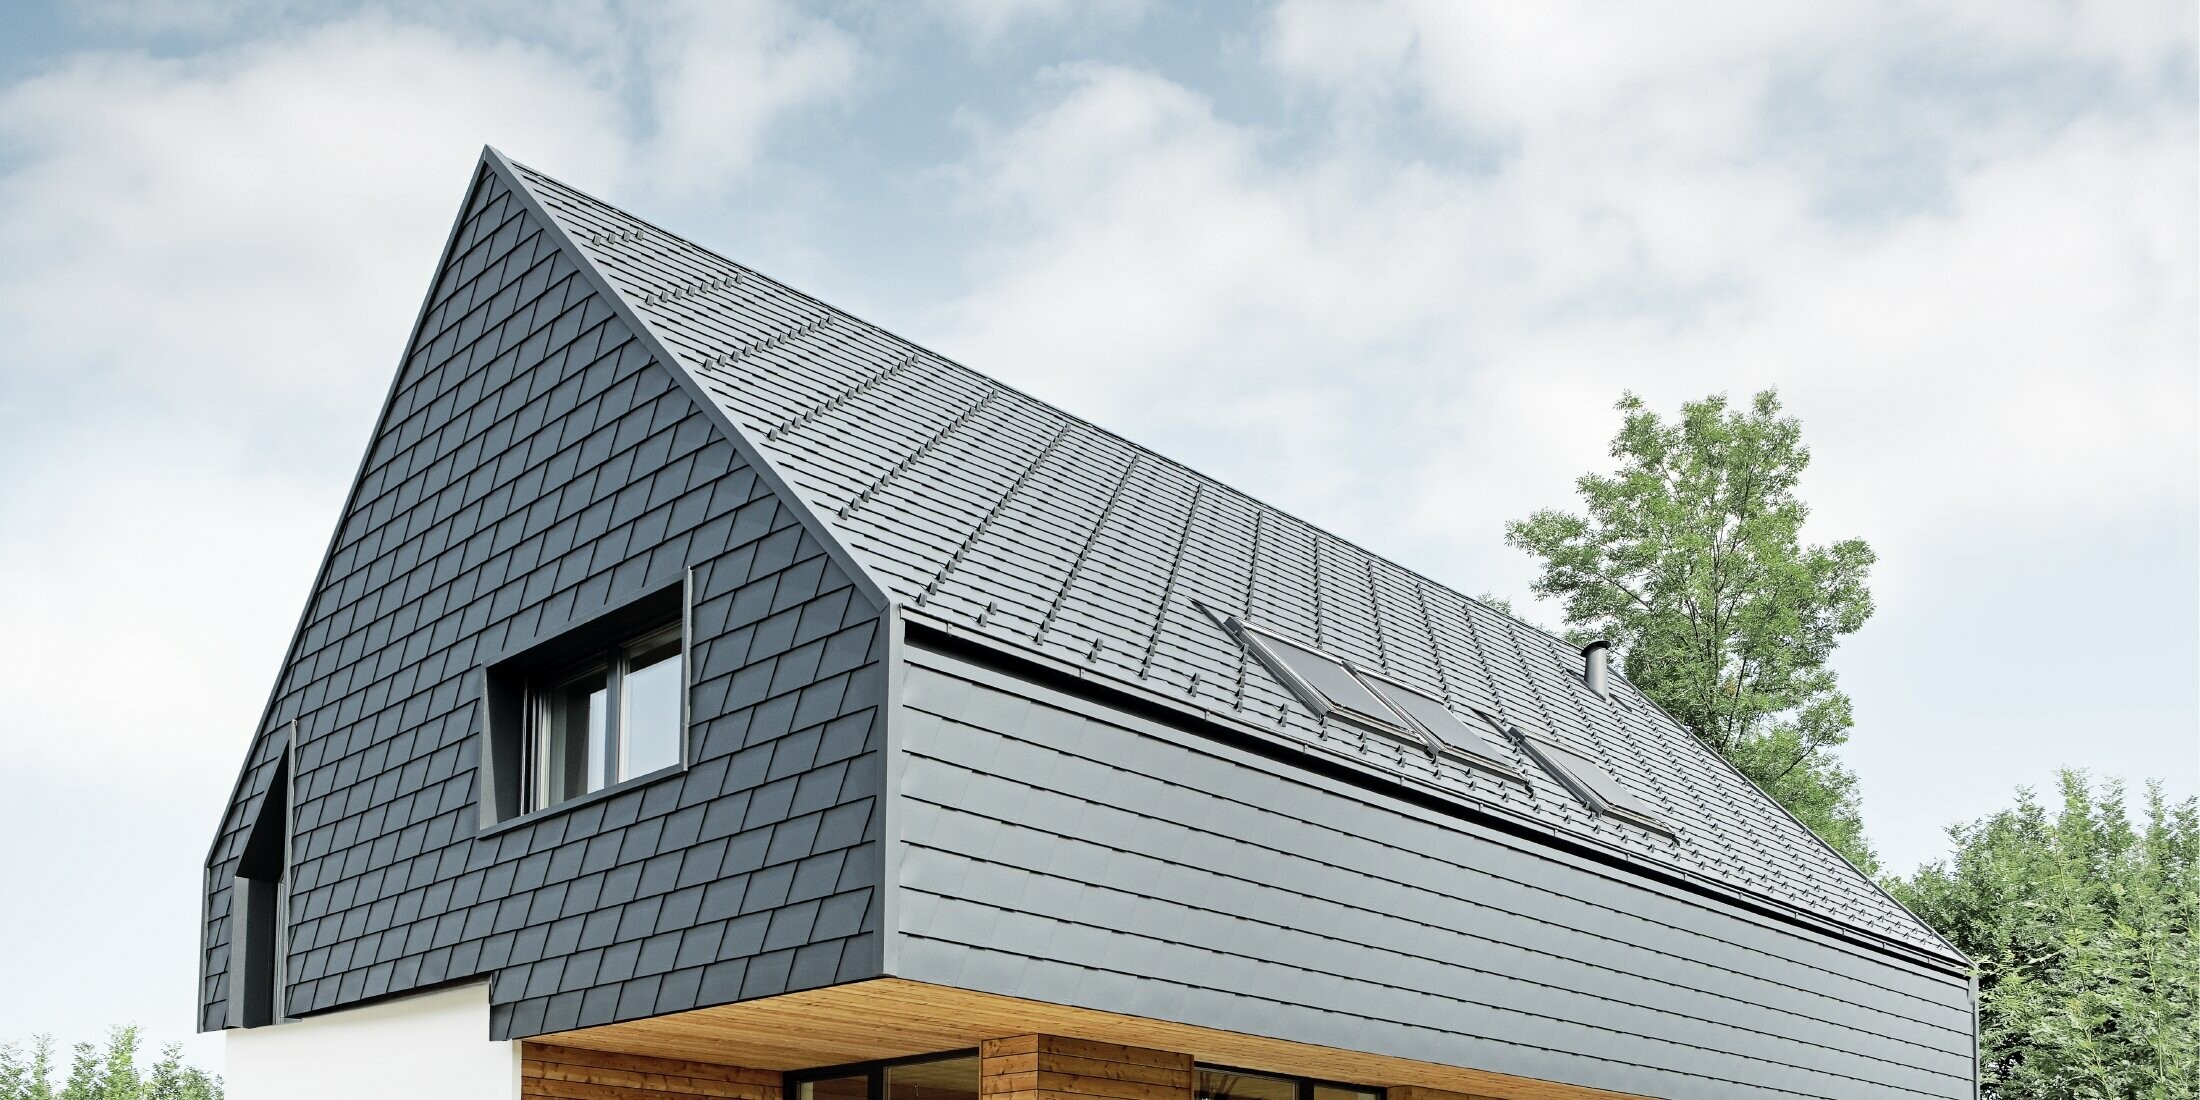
727, 72
986, 22
218, 258
1980, 294
213, 263
213, 258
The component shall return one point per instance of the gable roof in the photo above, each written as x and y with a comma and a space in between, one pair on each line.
985, 511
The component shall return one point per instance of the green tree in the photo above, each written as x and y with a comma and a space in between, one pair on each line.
1689, 559
172, 1080
23, 1074
103, 1073
84, 1081
118, 1072
2086, 933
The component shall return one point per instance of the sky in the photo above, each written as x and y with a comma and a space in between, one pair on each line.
1386, 265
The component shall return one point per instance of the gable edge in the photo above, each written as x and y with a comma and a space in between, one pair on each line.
758, 459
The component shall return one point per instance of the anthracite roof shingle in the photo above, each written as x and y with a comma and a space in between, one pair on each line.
978, 507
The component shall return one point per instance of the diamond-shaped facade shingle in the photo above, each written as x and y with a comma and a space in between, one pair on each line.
536, 464
545, 456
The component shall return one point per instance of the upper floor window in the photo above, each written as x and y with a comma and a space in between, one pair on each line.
607, 719
591, 706
259, 905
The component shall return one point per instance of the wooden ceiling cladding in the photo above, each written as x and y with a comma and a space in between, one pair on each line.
895, 1018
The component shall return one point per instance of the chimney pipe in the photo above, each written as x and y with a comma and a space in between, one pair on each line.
1593, 671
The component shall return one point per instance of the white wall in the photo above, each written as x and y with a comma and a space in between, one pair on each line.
435, 1046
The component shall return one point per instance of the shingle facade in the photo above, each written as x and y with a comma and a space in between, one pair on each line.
957, 716
1048, 846
984, 509
534, 466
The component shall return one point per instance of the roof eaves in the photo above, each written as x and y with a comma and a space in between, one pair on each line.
1522, 825
1953, 951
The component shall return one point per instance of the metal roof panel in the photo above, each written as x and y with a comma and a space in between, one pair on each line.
1012, 521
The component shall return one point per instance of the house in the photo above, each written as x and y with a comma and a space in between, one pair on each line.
707, 693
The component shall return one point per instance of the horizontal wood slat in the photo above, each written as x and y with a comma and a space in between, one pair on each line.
1178, 1077
550, 1071
1419, 1092
1058, 1067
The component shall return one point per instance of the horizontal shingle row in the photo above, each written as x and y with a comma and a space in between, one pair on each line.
1057, 849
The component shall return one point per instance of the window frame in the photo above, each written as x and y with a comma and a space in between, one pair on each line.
1438, 744
1395, 721
873, 1072
1543, 750
1261, 642
1303, 1086
615, 663
513, 766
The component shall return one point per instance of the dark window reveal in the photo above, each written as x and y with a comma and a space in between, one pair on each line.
259, 906
601, 704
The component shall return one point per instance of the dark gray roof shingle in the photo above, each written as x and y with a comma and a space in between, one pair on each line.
984, 508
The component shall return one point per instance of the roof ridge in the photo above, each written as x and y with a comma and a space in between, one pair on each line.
516, 177
953, 364
1506, 659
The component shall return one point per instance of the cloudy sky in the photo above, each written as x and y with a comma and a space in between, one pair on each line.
1385, 264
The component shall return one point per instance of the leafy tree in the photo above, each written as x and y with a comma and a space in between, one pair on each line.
24, 1076
1689, 560
2086, 933
172, 1080
86, 1081
102, 1073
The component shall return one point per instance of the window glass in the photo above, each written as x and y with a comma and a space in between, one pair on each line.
1438, 719
947, 1079
649, 694
857, 1087
573, 731
1331, 678
1225, 1084
1339, 1092
1602, 784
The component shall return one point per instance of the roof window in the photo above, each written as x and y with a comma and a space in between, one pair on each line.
1331, 687
1444, 731
1326, 685
1593, 785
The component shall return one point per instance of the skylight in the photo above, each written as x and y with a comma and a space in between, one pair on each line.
1325, 684
1595, 786
1444, 731
1329, 686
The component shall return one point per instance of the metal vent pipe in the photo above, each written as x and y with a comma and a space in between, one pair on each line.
1595, 657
